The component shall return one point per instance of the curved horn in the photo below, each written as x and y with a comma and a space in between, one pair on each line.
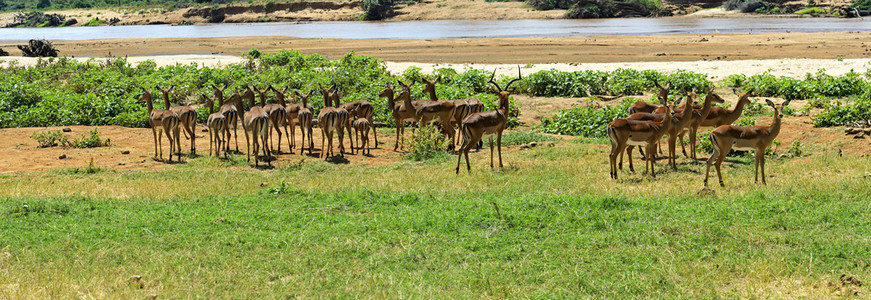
493, 82
519, 77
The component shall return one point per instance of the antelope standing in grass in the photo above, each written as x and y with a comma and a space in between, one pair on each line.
623, 133
217, 124
699, 114
161, 121
646, 107
256, 124
404, 111
362, 109
436, 110
292, 112
477, 125
230, 112
361, 128
187, 117
304, 118
756, 138
720, 116
328, 122
462, 107
277, 118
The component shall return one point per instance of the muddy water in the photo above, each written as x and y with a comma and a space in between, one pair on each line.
448, 29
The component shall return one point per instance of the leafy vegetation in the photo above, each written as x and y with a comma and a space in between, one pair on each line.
90, 140
57, 138
838, 113
552, 83
812, 11
819, 84
94, 22
426, 143
50, 138
586, 121
65, 91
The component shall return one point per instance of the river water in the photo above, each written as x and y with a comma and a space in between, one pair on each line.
448, 29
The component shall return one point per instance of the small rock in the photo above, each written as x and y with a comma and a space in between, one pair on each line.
860, 135
533, 144
125, 151
67, 129
205, 129
121, 164
850, 280
220, 220
524, 146
62, 156
136, 281
263, 184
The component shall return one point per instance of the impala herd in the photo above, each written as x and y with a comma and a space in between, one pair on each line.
334, 119
645, 126
648, 123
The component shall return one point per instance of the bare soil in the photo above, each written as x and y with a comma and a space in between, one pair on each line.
601, 49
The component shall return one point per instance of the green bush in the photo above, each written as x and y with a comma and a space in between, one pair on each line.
585, 121
814, 85
837, 113
812, 11
426, 143
94, 22
50, 138
90, 140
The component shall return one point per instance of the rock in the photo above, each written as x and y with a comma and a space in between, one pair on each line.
205, 129
121, 164
125, 151
851, 130
263, 184
220, 220
62, 156
533, 144
136, 281
67, 129
860, 135
524, 146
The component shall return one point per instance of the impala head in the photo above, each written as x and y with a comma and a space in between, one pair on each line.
210, 103
663, 90
429, 87
691, 96
778, 108
387, 92
745, 96
406, 87
713, 97
146, 95
504, 93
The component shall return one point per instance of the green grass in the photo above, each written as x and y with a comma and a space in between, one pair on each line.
812, 11
311, 229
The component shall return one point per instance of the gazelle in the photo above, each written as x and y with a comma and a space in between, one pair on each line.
277, 118
217, 124
642, 106
304, 118
327, 121
404, 111
679, 122
477, 125
361, 128
362, 109
756, 138
256, 125
165, 120
187, 117
343, 122
436, 110
720, 116
623, 132
230, 112
291, 112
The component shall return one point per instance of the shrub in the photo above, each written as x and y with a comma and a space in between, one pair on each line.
94, 22
796, 150
839, 114
377, 9
50, 138
812, 11
585, 121
523, 137
425, 143
90, 140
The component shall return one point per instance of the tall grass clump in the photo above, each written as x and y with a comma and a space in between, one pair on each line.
586, 121
426, 143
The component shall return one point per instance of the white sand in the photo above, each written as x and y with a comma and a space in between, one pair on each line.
716, 70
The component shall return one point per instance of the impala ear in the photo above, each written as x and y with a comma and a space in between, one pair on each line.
511, 90
750, 92
767, 101
785, 103
734, 91
297, 94
656, 82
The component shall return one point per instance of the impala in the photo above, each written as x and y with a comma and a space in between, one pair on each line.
720, 116
436, 110
304, 118
362, 109
327, 118
477, 125
343, 118
256, 125
161, 119
462, 107
642, 106
230, 112
679, 122
292, 112
756, 138
361, 128
623, 133
277, 117
404, 111
187, 117
217, 124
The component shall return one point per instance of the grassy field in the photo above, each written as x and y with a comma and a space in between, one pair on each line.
312, 229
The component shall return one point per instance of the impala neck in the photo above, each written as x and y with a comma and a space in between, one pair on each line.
166, 100
211, 106
391, 104
739, 107
220, 97
304, 102
775, 125
431, 91
150, 104
280, 98
706, 108
409, 107
327, 100
262, 98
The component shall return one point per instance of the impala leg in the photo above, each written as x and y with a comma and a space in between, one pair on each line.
268, 151
721, 155
762, 166
629, 157
311, 140
154, 133
756, 168
193, 130
374, 131
672, 151
710, 162
652, 161
682, 146
291, 137
211, 139
491, 152
323, 142
693, 132
499, 147
177, 138
248, 145
236, 136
